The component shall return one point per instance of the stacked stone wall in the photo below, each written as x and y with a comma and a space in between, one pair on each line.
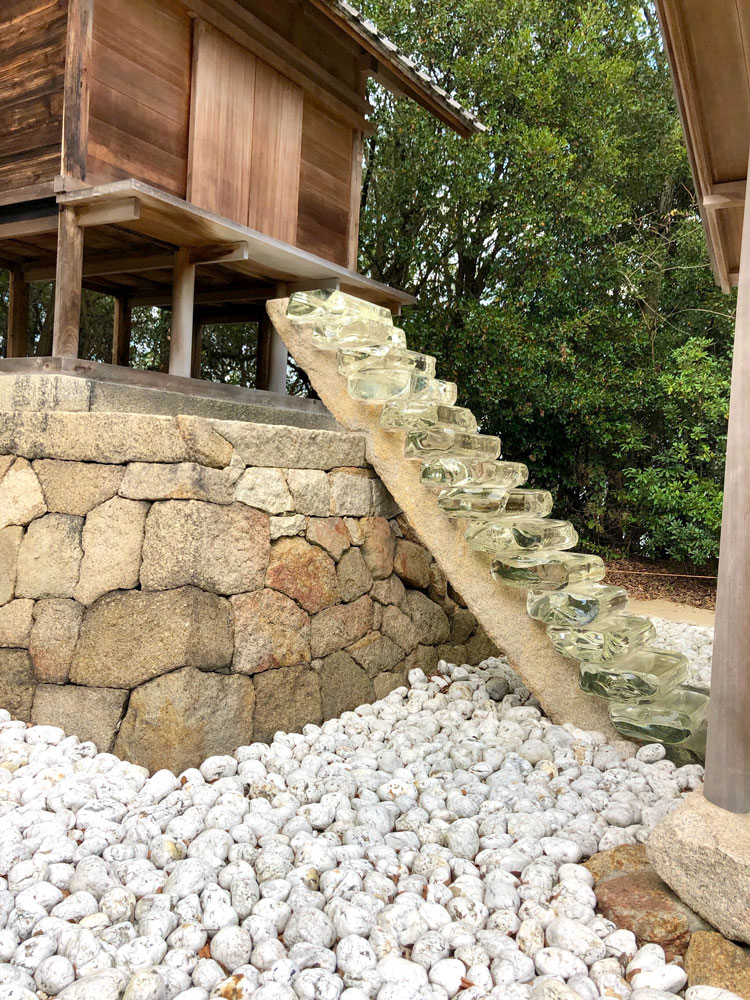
174, 587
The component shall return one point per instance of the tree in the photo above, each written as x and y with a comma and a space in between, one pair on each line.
562, 275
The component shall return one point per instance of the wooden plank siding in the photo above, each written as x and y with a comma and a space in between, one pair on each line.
32, 68
140, 93
325, 185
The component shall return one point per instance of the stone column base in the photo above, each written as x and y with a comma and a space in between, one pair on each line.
703, 853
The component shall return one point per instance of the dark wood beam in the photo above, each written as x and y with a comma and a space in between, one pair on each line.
68, 286
17, 345
75, 130
121, 332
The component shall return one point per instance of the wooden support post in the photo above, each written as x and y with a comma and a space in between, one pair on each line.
121, 332
17, 344
68, 277
195, 365
183, 291
272, 357
727, 781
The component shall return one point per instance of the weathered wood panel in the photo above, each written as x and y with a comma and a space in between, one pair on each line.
221, 124
325, 185
275, 164
32, 68
140, 93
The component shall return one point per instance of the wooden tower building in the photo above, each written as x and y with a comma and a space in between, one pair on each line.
200, 155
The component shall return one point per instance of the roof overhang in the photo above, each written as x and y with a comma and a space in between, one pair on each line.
708, 46
397, 71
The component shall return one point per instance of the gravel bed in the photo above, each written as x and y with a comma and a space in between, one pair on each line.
424, 847
695, 641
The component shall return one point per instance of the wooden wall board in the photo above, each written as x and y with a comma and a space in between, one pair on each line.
32, 66
221, 126
140, 93
275, 164
325, 185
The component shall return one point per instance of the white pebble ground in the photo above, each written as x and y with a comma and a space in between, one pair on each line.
421, 848
695, 641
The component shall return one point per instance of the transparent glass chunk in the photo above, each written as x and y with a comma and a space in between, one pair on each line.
679, 717
338, 318
579, 605
446, 471
513, 535
551, 570
536, 502
645, 675
410, 415
379, 385
473, 501
603, 640
425, 389
438, 440
352, 359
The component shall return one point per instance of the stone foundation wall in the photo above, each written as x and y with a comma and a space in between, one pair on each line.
174, 587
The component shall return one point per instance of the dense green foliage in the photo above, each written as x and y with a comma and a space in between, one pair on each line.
561, 269
560, 265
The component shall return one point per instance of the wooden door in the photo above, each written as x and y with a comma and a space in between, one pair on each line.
221, 124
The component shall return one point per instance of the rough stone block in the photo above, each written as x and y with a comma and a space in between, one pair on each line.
354, 527
265, 489
10, 543
131, 636
438, 589
77, 487
112, 540
424, 658
15, 623
452, 653
383, 503
293, 447
376, 653
181, 481
269, 631
311, 492
220, 548
355, 578
399, 627
286, 699
44, 392
480, 647
378, 546
412, 563
49, 558
343, 685
54, 634
351, 494
303, 572
430, 621
113, 438
703, 853
463, 623
340, 626
17, 682
86, 712
330, 533
287, 525
178, 720
711, 960
21, 497
387, 682
390, 591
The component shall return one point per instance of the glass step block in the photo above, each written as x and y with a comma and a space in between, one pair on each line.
437, 440
551, 570
379, 385
352, 359
473, 501
678, 717
646, 675
514, 535
432, 390
337, 318
579, 605
408, 415
604, 640
447, 471
536, 502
